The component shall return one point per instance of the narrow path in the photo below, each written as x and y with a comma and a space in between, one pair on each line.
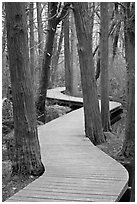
76, 170
57, 94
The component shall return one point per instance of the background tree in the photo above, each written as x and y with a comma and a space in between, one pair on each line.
74, 57
40, 28
57, 46
105, 116
67, 59
54, 17
27, 157
84, 26
5, 67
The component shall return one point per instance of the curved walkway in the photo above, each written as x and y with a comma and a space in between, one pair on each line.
76, 170
57, 94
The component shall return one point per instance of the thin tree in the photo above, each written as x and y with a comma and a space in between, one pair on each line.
105, 116
56, 54
84, 26
54, 17
26, 157
40, 28
74, 57
67, 60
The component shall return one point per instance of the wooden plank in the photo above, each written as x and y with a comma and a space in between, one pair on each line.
56, 94
65, 196
29, 199
88, 190
76, 170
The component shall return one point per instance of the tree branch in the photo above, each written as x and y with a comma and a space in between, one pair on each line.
64, 12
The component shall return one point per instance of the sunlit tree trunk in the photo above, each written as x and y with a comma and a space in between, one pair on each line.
84, 25
67, 58
55, 56
105, 116
74, 58
26, 157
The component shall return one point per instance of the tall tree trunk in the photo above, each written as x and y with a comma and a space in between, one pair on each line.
26, 158
53, 21
40, 29
56, 54
74, 58
44, 79
68, 74
128, 149
31, 26
93, 127
105, 116
3, 30
129, 143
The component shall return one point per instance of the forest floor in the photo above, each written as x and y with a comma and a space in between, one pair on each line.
11, 185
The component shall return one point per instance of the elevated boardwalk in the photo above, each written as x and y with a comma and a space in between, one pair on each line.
56, 94
76, 170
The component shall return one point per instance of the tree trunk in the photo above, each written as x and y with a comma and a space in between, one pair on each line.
128, 149
68, 74
132, 198
31, 26
93, 127
27, 158
97, 74
56, 54
40, 29
53, 21
74, 58
3, 31
129, 143
105, 116
44, 79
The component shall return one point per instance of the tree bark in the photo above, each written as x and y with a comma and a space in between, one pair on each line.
129, 143
105, 116
3, 31
40, 29
53, 21
128, 149
55, 56
31, 26
74, 58
44, 79
93, 127
68, 74
97, 74
27, 157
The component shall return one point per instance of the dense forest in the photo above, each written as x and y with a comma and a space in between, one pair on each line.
88, 48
